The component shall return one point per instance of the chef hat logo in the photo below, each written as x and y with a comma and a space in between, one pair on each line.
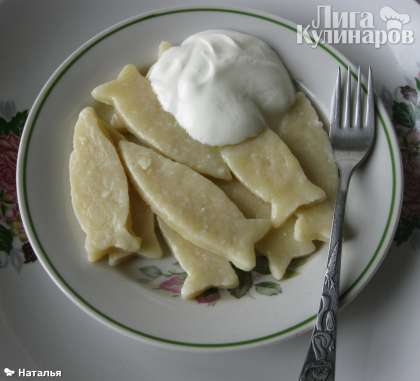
9, 372
393, 19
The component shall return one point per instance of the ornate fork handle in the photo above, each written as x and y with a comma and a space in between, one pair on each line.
351, 143
320, 359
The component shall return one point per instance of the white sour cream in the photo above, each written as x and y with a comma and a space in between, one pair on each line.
222, 86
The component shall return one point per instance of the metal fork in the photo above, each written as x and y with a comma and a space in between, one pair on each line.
351, 144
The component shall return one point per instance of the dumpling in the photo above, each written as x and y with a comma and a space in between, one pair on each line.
193, 206
249, 204
116, 122
143, 224
280, 247
304, 134
314, 223
140, 110
204, 268
267, 168
99, 189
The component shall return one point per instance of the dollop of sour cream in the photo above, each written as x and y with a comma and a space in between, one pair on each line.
222, 86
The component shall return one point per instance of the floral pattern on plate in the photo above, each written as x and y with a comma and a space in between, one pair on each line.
168, 278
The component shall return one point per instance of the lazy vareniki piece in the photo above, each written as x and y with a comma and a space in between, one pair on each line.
99, 189
204, 269
143, 224
305, 136
280, 247
140, 110
267, 168
193, 206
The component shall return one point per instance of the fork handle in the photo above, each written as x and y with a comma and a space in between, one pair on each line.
320, 360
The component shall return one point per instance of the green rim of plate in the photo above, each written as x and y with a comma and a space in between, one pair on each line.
31, 125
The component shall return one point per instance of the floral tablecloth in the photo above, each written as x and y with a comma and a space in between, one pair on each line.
404, 106
14, 247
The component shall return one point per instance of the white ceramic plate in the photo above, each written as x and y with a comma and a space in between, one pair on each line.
136, 309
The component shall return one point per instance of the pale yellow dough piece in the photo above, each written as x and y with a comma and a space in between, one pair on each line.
314, 223
267, 168
204, 269
99, 189
142, 222
193, 206
304, 134
143, 225
280, 247
138, 107
117, 122
117, 256
249, 204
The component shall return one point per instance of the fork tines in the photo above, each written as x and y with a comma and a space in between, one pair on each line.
337, 121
